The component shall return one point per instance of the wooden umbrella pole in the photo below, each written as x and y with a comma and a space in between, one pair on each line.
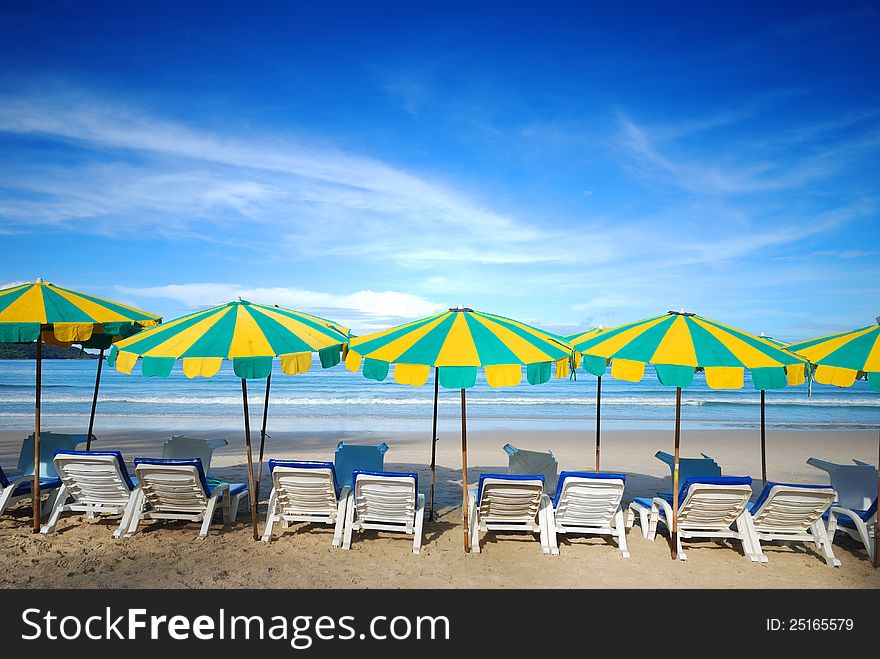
763, 444
94, 402
36, 485
598, 417
675, 473
434, 442
250, 463
263, 434
464, 491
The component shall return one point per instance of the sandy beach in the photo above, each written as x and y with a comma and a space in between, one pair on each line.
82, 553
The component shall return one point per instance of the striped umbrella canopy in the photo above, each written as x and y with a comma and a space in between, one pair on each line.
249, 334
578, 340
456, 343
679, 343
840, 359
45, 313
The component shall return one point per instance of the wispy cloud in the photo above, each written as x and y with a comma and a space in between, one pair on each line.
363, 310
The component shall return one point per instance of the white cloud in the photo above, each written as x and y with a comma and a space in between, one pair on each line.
364, 310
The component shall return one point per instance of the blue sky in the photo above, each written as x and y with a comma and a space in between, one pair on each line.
561, 163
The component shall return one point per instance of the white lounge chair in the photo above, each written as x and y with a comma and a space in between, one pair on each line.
793, 512
524, 462
178, 489
857, 524
385, 501
18, 488
92, 482
305, 492
708, 507
180, 447
588, 503
507, 502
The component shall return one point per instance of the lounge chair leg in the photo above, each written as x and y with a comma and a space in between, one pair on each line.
61, 497
341, 510
820, 535
419, 523
137, 503
473, 523
221, 493
620, 527
753, 548
271, 516
543, 524
349, 521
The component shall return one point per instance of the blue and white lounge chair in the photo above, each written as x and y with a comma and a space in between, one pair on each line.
857, 524
588, 503
507, 502
351, 457
708, 507
178, 489
793, 513
385, 501
305, 492
92, 482
17, 488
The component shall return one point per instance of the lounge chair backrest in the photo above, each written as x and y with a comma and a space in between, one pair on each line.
509, 498
96, 477
386, 496
790, 507
174, 485
588, 498
855, 484
50, 442
351, 457
690, 467
304, 488
525, 462
713, 502
181, 448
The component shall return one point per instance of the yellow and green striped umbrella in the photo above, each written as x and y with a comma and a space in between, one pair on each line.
46, 313
62, 316
578, 341
839, 360
249, 334
843, 357
679, 343
456, 343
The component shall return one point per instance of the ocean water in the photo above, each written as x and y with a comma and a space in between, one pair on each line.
335, 399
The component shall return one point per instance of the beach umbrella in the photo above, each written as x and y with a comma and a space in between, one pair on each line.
679, 343
249, 334
44, 313
578, 341
840, 359
456, 343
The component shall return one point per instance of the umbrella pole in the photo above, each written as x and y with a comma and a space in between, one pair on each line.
263, 434
598, 416
763, 444
464, 492
675, 473
434, 443
94, 402
250, 462
36, 485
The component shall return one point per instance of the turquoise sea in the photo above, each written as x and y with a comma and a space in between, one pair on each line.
335, 399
